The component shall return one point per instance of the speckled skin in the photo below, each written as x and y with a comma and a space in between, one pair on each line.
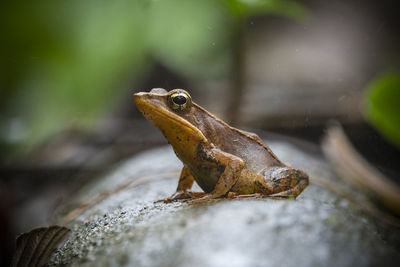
223, 160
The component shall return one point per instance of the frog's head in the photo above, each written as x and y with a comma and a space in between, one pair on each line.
167, 111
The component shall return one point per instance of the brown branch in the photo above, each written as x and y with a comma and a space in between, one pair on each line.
72, 215
355, 170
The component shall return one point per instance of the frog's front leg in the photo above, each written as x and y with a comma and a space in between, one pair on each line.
233, 166
186, 180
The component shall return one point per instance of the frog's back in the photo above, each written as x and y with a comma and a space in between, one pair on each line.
247, 146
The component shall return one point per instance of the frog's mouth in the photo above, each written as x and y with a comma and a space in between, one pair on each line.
164, 118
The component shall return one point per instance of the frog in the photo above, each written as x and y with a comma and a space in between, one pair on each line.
224, 161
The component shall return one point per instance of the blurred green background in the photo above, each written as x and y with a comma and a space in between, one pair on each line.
67, 63
70, 63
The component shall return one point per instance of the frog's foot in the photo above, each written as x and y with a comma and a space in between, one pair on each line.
256, 195
228, 196
180, 195
292, 192
201, 198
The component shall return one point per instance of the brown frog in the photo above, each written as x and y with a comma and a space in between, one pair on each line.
223, 160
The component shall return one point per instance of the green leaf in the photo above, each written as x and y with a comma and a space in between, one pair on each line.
382, 105
245, 8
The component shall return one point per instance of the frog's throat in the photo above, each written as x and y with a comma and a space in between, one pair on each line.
166, 114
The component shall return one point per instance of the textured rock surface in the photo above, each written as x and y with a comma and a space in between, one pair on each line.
128, 229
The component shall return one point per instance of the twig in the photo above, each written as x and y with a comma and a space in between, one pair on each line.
72, 215
354, 169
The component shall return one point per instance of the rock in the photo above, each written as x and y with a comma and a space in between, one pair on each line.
128, 229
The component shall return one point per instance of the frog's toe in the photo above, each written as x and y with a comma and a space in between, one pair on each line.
256, 195
181, 195
164, 200
176, 196
199, 199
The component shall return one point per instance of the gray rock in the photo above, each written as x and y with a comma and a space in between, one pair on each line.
128, 229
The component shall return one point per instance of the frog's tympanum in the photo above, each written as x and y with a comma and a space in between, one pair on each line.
224, 161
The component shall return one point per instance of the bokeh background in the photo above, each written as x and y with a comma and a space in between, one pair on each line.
68, 70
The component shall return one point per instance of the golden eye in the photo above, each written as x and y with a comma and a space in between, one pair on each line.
179, 100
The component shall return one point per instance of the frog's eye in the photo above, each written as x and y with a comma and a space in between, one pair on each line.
179, 100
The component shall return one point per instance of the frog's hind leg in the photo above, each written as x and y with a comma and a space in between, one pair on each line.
293, 192
282, 182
